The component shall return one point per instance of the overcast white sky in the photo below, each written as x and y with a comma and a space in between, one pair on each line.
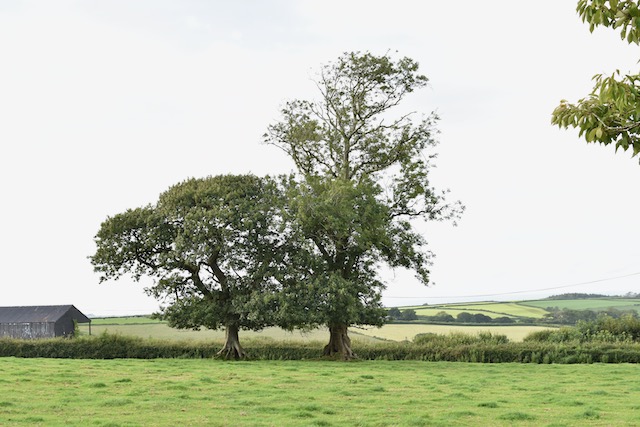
105, 104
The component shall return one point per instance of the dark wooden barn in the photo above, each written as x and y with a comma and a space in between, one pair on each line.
44, 321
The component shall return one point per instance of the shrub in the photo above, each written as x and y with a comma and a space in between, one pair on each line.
609, 329
409, 314
561, 335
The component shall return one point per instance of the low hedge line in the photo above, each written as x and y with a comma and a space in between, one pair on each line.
116, 346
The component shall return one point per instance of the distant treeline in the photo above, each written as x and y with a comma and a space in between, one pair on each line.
444, 317
578, 295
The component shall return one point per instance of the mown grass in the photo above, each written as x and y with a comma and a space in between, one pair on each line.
171, 392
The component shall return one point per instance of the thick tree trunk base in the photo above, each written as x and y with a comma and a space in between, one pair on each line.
339, 343
232, 348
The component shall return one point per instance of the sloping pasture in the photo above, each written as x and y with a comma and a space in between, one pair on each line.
497, 309
588, 304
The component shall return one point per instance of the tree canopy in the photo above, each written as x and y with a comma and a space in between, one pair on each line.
363, 177
611, 112
211, 245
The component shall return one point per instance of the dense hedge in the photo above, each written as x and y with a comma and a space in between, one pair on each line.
490, 349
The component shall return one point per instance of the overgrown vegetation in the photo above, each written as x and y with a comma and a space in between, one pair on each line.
603, 329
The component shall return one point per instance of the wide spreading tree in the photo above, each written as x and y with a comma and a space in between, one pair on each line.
363, 179
212, 247
611, 112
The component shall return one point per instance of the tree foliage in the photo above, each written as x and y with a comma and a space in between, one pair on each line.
611, 112
212, 247
363, 176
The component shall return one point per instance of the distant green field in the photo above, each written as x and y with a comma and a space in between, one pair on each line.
588, 304
491, 309
206, 392
134, 320
432, 311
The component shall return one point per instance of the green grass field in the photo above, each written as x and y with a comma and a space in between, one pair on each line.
170, 392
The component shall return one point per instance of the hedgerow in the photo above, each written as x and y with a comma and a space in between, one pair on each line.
455, 348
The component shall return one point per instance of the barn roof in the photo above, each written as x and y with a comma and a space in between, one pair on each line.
40, 313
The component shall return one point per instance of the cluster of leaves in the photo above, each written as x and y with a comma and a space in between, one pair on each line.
611, 112
617, 14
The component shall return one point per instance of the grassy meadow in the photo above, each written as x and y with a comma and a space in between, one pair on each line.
148, 328
160, 330
197, 392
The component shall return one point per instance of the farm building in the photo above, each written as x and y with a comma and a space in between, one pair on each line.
44, 321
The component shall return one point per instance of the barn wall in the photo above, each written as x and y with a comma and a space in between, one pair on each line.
64, 325
27, 330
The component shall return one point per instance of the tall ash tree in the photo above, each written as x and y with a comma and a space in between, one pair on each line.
212, 246
362, 182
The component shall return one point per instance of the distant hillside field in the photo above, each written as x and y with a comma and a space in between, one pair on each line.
588, 304
535, 309
491, 309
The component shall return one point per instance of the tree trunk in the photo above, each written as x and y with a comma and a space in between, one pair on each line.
232, 348
339, 342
